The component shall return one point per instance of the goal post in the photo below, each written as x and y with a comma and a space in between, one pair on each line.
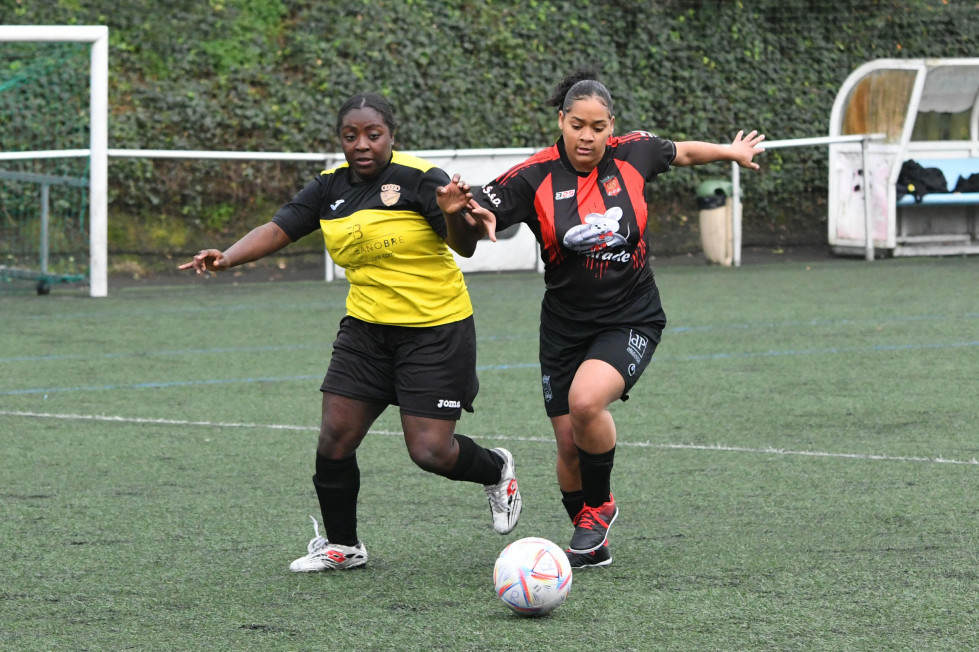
98, 151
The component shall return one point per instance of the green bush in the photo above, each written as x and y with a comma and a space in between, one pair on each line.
269, 75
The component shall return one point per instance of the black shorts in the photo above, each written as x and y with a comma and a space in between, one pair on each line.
627, 348
428, 371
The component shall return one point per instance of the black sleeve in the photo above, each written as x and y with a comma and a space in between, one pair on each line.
650, 154
428, 205
664, 151
301, 216
511, 200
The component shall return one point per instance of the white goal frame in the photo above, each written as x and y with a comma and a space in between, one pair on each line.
98, 150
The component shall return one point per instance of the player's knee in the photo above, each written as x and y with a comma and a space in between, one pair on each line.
584, 407
430, 459
335, 444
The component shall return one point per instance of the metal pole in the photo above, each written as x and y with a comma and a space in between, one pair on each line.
735, 215
45, 213
865, 189
98, 194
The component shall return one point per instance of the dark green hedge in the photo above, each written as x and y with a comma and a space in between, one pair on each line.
270, 74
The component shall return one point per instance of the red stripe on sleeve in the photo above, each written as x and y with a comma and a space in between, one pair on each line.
549, 154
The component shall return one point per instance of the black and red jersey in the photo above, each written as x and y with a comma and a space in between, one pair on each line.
591, 227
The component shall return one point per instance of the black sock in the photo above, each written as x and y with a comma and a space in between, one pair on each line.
596, 473
337, 485
475, 463
573, 502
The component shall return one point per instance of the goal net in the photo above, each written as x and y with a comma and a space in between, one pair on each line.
53, 156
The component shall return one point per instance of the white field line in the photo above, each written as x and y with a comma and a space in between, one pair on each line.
546, 440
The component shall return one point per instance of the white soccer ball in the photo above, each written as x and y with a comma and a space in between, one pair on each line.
532, 576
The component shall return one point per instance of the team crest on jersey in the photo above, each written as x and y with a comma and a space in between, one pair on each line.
612, 186
390, 194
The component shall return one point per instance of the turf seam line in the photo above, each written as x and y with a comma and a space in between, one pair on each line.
397, 433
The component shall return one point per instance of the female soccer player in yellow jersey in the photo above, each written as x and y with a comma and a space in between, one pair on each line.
601, 317
408, 337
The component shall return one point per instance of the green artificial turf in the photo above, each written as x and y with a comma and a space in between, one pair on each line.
795, 471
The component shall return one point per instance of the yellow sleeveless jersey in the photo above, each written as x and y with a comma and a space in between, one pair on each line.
388, 235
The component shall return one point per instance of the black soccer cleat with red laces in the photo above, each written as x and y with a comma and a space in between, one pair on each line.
591, 526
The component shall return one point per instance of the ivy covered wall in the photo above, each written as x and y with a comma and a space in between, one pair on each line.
269, 75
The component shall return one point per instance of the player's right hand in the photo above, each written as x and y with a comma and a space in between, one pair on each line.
454, 196
211, 260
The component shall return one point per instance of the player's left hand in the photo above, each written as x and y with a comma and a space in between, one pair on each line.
745, 148
482, 219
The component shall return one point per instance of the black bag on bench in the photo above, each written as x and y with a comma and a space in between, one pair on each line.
970, 184
919, 181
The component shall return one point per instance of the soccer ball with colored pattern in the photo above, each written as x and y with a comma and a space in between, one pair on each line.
532, 576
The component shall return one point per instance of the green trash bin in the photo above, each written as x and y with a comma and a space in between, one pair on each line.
716, 209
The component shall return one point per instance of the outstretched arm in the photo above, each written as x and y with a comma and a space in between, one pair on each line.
742, 150
260, 241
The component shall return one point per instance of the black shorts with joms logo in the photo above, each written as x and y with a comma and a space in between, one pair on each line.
427, 371
564, 346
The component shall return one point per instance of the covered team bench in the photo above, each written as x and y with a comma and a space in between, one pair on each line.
926, 110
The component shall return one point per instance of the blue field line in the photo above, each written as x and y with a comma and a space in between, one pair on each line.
242, 307
829, 351
505, 367
812, 322
176, 383
767, 354
168, 353
321, 346
680, 330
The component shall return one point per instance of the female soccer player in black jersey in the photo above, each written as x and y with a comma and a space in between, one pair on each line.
408, 337
601, 316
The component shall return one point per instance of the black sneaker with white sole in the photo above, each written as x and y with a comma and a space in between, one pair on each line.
599, 557
591, 526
